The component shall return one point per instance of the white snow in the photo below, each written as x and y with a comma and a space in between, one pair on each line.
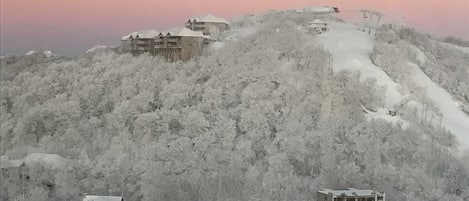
453, 118
324, 9
96, 48
210, 18
419, 55
30, 52
350, 49
101, 198
241, 32
383, 114
464, 49
148, 34
217, 45
317, 21
52, 161
183, 31
48, 53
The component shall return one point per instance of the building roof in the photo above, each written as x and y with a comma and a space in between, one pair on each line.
146, 34
102, 198
183, 31
209, 18
351, 192
52, 161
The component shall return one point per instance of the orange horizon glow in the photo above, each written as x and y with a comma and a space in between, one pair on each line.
74, 26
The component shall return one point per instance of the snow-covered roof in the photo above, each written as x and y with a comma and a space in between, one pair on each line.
323, 9
351, 192
142, 34
52, 161
210, 18
102, 198
183, 31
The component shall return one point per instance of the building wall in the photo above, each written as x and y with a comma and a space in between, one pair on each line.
191, 47
173, 48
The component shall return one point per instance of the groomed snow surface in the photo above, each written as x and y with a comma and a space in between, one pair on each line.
351, 49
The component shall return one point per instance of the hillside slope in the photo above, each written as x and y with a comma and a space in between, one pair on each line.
260, 116
351, 49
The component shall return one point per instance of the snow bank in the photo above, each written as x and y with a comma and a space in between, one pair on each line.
350, 49
30, 52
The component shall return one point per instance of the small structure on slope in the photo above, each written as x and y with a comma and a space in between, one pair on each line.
318, 26
350, 194
102, 198
208, 24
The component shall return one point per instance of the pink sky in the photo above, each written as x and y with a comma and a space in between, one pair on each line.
72, 26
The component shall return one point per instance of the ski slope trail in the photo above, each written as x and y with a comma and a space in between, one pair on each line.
350, 49
453, 118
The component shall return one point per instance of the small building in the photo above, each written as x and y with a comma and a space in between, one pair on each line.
102, 198
318, 26
351, 194
208, 24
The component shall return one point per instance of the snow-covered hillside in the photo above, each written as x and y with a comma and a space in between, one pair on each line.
351, 49
260, 116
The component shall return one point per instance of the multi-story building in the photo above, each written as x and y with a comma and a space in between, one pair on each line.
180, 44
174, 44
208, 24
140, 41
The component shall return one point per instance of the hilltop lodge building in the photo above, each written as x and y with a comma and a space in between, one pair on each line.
208, 24
178, 43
